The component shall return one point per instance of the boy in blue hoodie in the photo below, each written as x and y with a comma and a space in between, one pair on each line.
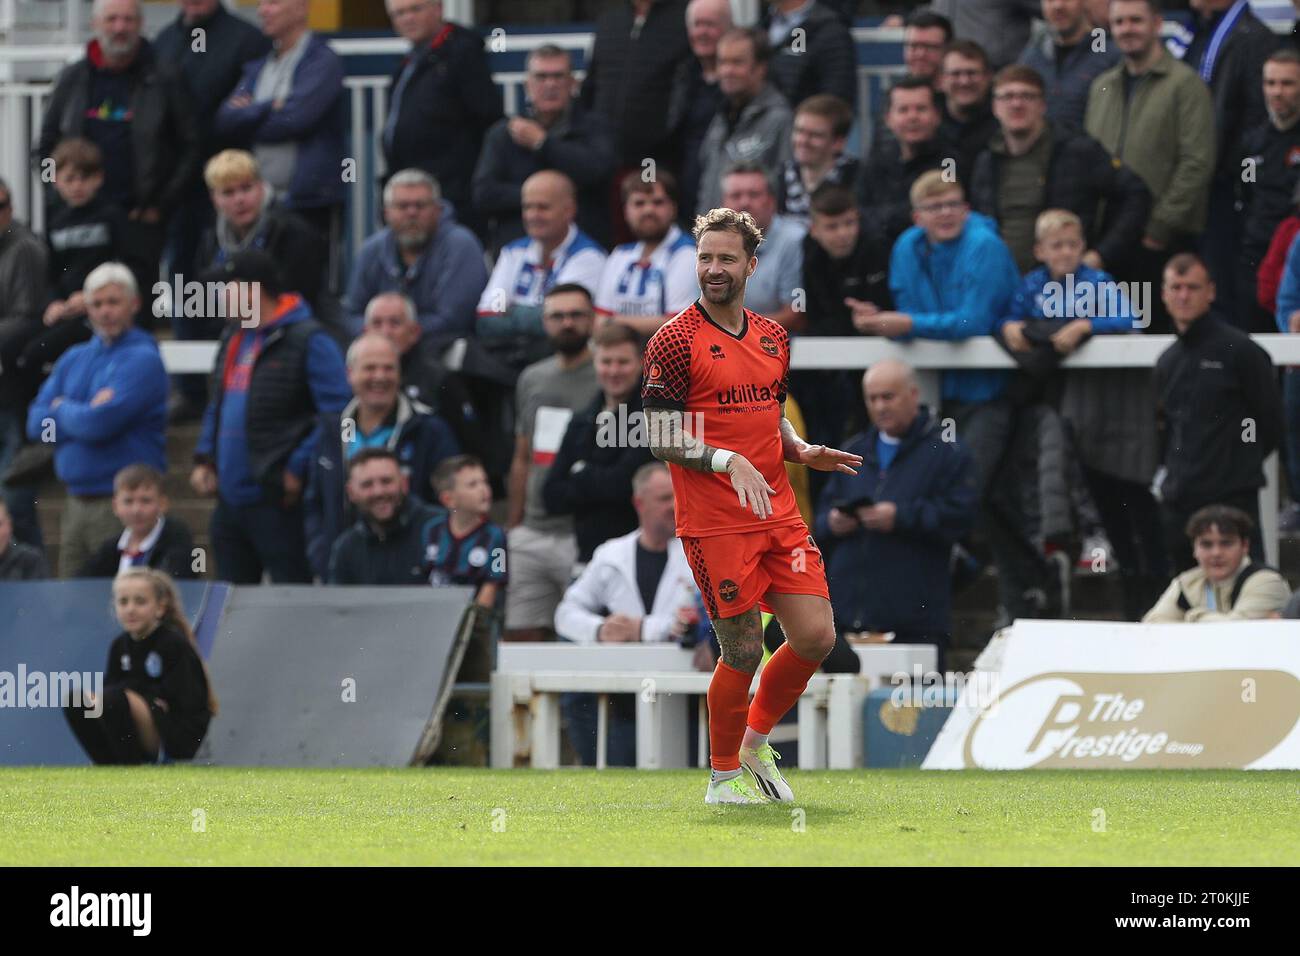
1063, 287
103, 407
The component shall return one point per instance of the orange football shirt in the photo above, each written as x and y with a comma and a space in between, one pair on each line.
730, 388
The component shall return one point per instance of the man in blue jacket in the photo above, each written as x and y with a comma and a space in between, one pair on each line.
379, 416
288, 110
887, 532
104, 407
426, 255
952, 278
276, 371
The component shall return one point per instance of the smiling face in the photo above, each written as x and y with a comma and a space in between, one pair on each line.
722, 266
923, 51
706, 21
374, 372
965, 81
137, 608
1219, 554
813, 140
942, 216
377, 488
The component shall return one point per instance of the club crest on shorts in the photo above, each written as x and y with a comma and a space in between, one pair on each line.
728, 590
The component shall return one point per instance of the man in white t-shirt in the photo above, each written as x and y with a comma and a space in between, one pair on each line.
554, 252
645, 283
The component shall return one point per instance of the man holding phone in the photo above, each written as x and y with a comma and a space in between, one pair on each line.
887, 532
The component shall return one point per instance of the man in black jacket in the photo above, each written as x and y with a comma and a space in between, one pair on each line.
441, 102
966, 81
554, 132
1271, 170
1217, 408
637, 47
887, 532
696, 96
211, 68
276, 370
138, 111
1228, 49
812, 51
386, 545
591, 477
913, 117
1074, 169
842, 265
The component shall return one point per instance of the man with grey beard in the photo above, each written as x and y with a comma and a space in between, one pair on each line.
137, 110
426, 255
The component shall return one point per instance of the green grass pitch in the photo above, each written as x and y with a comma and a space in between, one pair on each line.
148, 816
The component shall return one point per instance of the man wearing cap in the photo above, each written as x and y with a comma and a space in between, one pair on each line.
277, 370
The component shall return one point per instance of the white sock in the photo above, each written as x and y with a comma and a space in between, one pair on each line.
720, 775
753, 739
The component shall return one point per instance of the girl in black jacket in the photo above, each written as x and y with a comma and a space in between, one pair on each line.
157, 700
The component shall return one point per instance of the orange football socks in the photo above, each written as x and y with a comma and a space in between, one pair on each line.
728, 710
784, 678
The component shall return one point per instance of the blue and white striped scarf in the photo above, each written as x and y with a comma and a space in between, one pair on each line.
1182, 39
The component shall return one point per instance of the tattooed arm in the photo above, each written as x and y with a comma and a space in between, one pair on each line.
670, 442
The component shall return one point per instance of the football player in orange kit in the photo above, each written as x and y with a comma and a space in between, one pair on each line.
723, 369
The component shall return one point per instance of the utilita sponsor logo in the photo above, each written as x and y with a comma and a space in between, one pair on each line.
749, 394
1180, 719
103, 909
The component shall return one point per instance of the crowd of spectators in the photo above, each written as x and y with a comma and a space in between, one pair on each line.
1044, 172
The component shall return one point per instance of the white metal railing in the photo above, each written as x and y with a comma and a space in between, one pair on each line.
930, 358
22, 104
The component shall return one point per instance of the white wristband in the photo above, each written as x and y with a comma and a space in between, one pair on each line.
720, 459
